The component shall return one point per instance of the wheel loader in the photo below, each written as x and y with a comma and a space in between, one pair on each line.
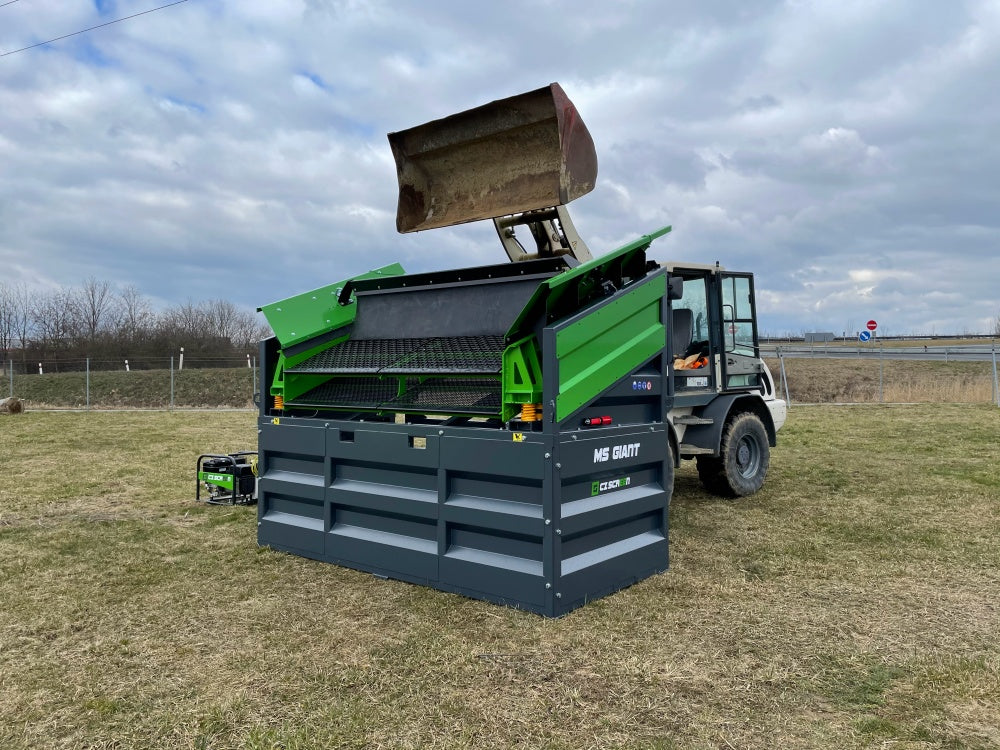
508, 432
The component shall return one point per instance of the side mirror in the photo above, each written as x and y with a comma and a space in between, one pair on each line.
675, 288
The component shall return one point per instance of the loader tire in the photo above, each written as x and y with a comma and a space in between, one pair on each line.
744, 455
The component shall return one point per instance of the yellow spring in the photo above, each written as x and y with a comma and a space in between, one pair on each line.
279, 402
531, 412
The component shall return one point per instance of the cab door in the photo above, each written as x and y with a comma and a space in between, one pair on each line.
694, 333
740, 366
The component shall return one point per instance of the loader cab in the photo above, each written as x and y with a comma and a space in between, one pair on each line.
713, 335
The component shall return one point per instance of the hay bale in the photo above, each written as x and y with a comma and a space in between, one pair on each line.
12, 405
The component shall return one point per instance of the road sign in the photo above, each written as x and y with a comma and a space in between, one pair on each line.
864, 335
871, 325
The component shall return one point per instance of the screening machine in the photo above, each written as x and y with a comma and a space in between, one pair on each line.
508, 432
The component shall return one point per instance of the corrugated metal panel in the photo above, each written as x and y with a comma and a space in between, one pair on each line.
533, 524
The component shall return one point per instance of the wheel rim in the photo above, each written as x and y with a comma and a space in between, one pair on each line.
748, 455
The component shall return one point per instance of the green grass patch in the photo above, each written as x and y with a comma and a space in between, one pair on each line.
140, 389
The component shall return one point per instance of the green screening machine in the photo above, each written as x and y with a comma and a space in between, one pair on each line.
508, 432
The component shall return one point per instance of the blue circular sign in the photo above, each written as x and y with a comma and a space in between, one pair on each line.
865, 335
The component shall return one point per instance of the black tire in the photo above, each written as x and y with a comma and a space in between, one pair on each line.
744, 455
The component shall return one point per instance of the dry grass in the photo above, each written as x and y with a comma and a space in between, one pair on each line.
847, 381
852, 604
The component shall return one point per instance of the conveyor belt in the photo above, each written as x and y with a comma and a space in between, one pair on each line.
448, 355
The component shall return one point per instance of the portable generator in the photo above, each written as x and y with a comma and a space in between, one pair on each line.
229, 479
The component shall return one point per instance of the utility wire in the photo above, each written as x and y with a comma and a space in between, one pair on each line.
10, 3
81, 31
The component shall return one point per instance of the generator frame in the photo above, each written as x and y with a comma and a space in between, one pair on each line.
231, 481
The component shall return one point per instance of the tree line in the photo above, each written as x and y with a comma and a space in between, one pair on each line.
98, 320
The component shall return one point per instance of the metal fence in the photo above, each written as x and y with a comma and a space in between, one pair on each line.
874, 373
804, 374
164, 383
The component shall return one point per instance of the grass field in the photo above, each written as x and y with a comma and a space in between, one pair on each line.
821, 381
851, 604
810, 380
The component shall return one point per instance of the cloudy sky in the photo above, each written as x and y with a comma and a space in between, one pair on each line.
845, 151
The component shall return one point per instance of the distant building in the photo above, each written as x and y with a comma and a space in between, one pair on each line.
819, 337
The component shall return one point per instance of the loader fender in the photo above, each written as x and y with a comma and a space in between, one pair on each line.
675, 448
710, 435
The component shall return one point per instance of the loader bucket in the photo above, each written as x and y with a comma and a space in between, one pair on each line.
523, 153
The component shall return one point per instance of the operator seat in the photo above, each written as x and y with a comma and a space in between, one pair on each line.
682, 320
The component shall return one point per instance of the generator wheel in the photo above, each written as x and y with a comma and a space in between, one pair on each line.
745, 454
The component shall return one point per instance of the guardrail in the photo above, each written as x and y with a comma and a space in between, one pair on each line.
954, 353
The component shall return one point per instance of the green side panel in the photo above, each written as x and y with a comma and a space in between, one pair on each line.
303, 316
583, 269
219, 480
278, 382
574, 288
521, 376
606, 345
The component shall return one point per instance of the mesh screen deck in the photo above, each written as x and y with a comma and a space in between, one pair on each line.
472, 396
449, 355
451, 396
352, 393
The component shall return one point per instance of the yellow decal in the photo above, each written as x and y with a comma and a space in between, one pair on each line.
518, 437
275, 420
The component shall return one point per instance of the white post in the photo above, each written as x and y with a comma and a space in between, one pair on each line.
881, 370
784, 378
180, 364
126, 365
996, 382
40, 369
248, 362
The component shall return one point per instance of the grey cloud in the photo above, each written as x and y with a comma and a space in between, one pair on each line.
812, 143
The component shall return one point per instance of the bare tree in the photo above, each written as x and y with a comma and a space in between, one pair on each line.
236, 324
135, 318
6, 321
186, 320
54, 321
21, 316
92, 306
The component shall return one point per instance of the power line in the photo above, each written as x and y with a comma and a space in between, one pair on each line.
81, 31
10, 3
